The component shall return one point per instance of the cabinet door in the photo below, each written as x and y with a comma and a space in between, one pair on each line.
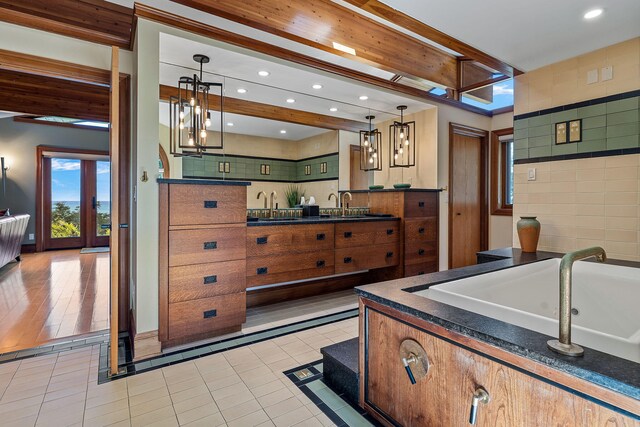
207, 204
444, 396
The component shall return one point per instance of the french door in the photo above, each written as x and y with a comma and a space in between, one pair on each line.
76, 200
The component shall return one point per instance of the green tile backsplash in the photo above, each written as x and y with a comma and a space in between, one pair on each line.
606, 126
249, 168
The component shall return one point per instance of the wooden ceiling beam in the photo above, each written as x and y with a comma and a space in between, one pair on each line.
195, 27
396, 17
321, 23
273, 112
96, 21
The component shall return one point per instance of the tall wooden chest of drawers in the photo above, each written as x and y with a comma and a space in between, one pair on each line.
202, 259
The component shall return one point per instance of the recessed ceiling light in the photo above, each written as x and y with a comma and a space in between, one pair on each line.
343, 48
263, 73
334, 109
291, 100
242, 90
593, 13
317, 86
283, 131
230, 124
364, 98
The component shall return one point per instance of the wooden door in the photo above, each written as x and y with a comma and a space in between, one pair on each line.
468, 230
359, 179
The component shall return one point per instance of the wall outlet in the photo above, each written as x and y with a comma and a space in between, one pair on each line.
606, 73
32, 236
531, 174
592, 76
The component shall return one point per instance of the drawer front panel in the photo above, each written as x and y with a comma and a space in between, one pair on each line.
351, 235
206, 280
274, 240
419, 252
206, 315
207, 204
421, 268
206, 245
417, 204
422, 230
367, 257
287, 267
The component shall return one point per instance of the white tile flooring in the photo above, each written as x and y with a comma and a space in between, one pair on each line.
240, 387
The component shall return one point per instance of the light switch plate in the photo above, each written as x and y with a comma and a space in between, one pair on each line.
531, 174
606, 73
32, 236
592, 76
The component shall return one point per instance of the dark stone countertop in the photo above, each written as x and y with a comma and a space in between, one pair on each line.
611, 372
382, 190
202, 181
318, 220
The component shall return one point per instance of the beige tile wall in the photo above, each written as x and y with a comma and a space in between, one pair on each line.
582, 203
565, 82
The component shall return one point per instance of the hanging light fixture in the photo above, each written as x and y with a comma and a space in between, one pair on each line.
402, 142
370, 148
190, 117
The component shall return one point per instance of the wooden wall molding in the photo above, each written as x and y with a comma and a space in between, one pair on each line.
195, 27
319, 23
405, 21
273, 112
96, 21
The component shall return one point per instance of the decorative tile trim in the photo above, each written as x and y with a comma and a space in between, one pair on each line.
606, 153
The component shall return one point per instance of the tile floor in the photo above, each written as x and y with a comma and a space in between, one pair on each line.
240, 387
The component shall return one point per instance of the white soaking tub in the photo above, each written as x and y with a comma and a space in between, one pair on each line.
606, 297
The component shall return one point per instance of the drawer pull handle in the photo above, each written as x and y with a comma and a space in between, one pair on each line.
421, 204
421, 230
210, 313
320, 236
347, 234
389, 231
420, 251
261, 240
347, 260
262, 270
210, 245
210, 204
320, 263
389, 254
209, 280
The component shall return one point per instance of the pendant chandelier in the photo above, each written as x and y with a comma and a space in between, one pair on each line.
402, 142
370, 148
190, 117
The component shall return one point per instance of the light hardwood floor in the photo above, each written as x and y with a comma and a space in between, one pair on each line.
52, 295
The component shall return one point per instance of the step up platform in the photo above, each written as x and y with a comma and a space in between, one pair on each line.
340, 368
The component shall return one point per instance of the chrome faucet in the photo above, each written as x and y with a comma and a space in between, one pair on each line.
337, 201
563, 345
344, 206
262, 193
273, 197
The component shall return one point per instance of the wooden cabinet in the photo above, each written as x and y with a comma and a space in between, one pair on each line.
288, 239
202, 261
355, 234
444, 395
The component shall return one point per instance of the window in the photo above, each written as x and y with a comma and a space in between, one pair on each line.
502, 172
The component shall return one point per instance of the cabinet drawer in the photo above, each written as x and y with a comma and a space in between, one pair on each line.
367, 257
191, 282
421, 229
207, 204
207, 245
417, 204
274, 240
418, 252
420, 268
350, 235
206, 315
287, 267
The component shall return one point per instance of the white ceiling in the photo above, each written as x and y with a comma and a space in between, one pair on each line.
238, 70
529, 34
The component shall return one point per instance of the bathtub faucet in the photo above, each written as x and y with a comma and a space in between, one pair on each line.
563, 345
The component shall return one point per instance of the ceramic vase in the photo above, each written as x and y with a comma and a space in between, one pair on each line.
528, 233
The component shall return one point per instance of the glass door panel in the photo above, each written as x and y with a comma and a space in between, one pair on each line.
64, 224
102, 203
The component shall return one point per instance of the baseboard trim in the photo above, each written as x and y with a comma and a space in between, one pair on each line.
28, 248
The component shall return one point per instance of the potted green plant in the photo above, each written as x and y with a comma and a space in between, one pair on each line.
293, 193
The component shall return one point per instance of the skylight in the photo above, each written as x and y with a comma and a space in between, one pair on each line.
502, 97
75, 122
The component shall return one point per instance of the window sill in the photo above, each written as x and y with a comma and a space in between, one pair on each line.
502, 212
